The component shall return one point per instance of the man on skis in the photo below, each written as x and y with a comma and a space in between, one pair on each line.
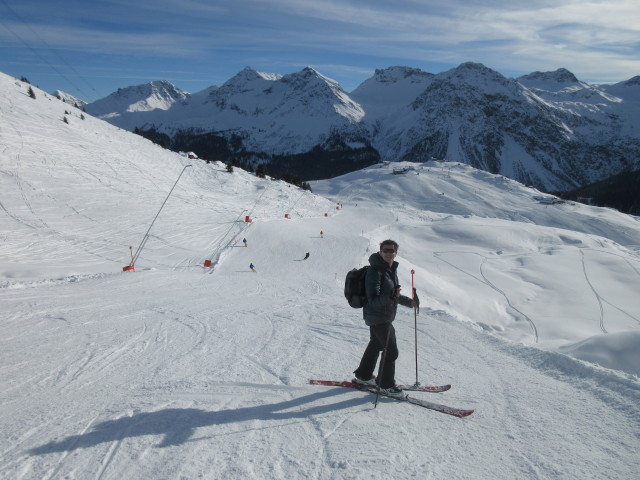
383, 296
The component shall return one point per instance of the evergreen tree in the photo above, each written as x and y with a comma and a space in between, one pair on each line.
261, 171
31, 93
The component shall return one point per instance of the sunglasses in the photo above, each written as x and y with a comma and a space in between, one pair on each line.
388, 250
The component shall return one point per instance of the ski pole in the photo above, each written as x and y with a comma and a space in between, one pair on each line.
382, 362
415, 323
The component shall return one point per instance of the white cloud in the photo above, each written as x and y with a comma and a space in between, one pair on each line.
597, 40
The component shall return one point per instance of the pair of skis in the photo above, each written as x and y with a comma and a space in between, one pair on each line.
456, 412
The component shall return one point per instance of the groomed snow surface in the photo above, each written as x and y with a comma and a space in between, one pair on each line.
530, 309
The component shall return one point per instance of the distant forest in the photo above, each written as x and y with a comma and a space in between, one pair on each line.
621, 192
334, 159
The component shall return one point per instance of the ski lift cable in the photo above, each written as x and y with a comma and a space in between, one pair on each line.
44, 59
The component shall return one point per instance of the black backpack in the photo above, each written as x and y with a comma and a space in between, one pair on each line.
354, 290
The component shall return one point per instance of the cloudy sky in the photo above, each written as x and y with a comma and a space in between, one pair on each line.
90, 48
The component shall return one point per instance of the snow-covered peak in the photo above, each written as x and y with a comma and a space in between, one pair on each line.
472, 70
245, 81
559, 78
309, 87
400, 74
303, 107
156, 95
310, 71
309, 77
266, 90
629, 90
632, 82
565, 90
464, 89
561, 85
247, 76
390, 89
477, 76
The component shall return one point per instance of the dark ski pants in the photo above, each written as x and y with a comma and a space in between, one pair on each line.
377, 341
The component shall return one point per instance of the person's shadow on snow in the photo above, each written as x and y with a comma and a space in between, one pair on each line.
178, 424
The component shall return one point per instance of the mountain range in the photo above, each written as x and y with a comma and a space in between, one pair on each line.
546, 129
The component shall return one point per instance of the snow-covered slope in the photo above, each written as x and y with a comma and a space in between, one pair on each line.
131, 178
487, 232
70, 99
174, 371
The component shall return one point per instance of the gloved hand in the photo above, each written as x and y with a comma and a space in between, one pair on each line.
416, 300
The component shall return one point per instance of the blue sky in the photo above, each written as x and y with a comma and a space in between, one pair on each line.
90, 48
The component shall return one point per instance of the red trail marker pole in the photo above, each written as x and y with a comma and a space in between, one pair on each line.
131, 266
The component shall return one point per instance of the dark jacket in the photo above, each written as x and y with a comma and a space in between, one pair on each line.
381, 280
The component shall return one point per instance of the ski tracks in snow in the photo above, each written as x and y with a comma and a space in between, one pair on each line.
598, 296
483, 279
584, 268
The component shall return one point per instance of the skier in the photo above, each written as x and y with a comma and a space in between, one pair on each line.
321, 234
306, 256
244, 240
252, 267
383, 296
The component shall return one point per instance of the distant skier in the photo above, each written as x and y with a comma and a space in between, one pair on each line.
321, 234
252, 267
306, 256
244, 240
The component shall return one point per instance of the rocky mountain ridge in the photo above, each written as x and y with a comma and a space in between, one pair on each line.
547, 129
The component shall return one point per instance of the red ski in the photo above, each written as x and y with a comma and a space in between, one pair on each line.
408, 388
456, 412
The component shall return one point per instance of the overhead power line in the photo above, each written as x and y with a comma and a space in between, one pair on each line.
44, 59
